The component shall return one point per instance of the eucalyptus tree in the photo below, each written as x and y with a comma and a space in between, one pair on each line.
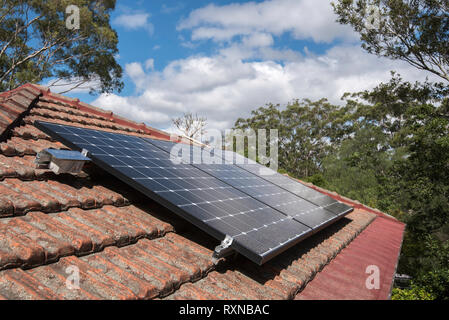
415, 31
67, 42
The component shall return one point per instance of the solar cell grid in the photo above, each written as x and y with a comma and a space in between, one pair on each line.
299, 189
277, 198
304, 204
200, 155
259, 231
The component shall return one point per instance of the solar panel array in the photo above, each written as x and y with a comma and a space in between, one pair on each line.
305, 205
263, 215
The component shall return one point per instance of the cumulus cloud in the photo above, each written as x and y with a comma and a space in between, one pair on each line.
248, 69
134, 21
224, 88
304, 19
149, 64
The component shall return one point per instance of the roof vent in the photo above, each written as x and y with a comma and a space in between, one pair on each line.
61, 161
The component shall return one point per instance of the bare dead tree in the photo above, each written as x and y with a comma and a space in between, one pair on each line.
192, 126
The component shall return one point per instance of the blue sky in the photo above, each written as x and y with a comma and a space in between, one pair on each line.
222, 59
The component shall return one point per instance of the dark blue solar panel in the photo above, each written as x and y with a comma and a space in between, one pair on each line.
260, 231
298, 189
306, 205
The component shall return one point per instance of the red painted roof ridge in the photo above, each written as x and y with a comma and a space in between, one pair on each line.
366, 250
28, 86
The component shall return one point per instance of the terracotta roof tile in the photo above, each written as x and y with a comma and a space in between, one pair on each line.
147, 269
128, 247
121, 123
32, 118
14, 103
39, 238
16, 284
81, 119
92, 280
71, 110
22, 168
55, 196
19, 147
30, 132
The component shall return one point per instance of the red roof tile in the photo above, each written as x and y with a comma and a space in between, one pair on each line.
128, 247
14, 103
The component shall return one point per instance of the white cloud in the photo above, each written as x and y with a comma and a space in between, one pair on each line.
168, 10
248, 70
132, 108
223, 88
305, 19
136, 73
135, 21
258, 40
149, 64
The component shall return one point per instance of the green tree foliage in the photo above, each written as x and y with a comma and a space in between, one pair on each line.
425, 173
427, 258
416, 31
36, 44
388, 148
414, 293
308, 131
399, 129
358, 168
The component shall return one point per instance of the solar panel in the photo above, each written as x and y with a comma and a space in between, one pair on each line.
318, 198
275, 183
259, 231
298, 189
263, 218
309, 213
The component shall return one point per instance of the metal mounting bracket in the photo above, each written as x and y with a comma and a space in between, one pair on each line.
84, 152
224, 249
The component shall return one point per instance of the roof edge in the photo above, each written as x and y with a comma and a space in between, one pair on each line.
396, 266
15, 104
45, 92
107, 114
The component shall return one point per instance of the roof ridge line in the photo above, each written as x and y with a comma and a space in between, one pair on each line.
17, 116
45, 92
82, 106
